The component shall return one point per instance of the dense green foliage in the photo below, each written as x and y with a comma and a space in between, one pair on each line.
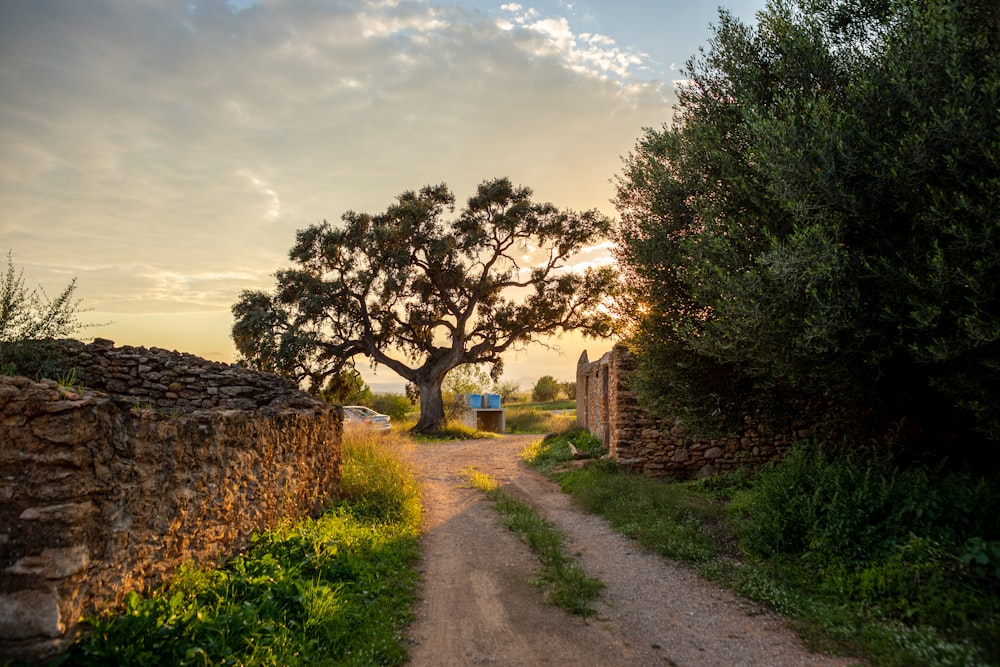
347, 388
898, 566
30, 323
331, 591
396, 406
545, 389
422, 295
822, 218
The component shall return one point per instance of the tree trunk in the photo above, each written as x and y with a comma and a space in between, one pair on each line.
431, 405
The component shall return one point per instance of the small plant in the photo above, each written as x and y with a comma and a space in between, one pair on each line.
68, 383
568, 585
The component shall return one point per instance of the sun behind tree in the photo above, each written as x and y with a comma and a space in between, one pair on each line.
421, 295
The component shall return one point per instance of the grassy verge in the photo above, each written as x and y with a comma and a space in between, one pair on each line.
452, 431
335, 590
525, 419
567, 584
898, 567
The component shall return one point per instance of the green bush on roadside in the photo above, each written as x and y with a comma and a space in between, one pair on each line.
396, 406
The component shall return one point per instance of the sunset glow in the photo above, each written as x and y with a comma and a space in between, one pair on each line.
165, 153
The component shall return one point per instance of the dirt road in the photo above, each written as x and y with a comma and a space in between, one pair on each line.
479, 607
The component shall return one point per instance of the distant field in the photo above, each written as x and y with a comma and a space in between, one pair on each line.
550, 405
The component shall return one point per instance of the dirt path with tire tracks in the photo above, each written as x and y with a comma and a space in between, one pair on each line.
479, 607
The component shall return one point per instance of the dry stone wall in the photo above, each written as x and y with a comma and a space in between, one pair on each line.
177, 381
105, 493
664, 447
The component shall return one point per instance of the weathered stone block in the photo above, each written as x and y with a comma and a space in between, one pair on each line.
26, 614
54, 563
65, 512
712, 453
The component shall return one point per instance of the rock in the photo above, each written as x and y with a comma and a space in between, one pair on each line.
54, 563
30, 613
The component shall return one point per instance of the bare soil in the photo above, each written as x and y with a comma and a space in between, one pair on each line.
479, 606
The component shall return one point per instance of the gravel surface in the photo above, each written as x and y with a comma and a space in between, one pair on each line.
479, 607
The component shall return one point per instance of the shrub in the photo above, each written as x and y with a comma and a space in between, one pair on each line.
29, 324
859, 505
546, 389
396, 406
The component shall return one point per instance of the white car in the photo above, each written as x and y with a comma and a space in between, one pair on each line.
361, 416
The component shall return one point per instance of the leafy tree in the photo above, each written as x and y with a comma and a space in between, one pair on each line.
347, 388
419, 294
507, 390
823, 215
546, 389
569, 389
460, 381
30, 321
394, 405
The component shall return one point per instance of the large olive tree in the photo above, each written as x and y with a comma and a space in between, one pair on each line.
823, 214
422, 294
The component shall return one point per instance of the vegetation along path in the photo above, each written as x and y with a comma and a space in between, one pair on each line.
479, 606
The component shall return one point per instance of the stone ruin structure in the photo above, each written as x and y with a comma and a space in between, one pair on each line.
155, 459
664, 447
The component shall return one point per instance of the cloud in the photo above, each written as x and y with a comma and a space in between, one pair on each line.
166, 153
273, 201
588, 54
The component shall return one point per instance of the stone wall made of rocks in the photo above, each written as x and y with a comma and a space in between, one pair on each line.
664, 447
178, 381
102, 494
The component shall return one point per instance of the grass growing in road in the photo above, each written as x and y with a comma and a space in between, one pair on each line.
336, 590
567, 584
896, 566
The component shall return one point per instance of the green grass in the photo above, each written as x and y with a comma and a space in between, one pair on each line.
525, 419
336, 590
567, 584
897, 567
452, 431
562, 404
550, 452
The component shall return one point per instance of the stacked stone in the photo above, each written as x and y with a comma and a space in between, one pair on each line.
158, 378
665, 447
101, 496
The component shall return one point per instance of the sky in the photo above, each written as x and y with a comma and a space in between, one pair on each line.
164, 153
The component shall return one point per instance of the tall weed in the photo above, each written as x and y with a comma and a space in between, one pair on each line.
375, 481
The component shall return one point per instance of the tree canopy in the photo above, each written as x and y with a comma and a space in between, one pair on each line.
546, 389
822, 217
422, 294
